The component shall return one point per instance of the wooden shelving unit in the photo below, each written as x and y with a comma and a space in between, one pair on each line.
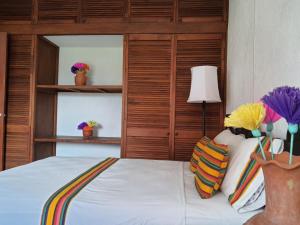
84, 89
75, 139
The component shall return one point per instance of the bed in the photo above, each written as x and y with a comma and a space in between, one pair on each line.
130, 192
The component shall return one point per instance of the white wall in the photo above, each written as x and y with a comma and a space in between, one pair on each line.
263, 50
104, 54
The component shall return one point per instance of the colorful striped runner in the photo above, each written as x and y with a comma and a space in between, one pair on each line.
249, 173
55, 209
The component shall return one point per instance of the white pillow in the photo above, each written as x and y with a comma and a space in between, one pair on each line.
238, 162
236, 165
230, 139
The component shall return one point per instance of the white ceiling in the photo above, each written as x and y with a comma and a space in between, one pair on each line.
87, 40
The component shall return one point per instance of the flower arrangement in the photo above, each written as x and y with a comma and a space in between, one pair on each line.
281, 102
80, 67
87, 128
249, 116
285, 101
87, 125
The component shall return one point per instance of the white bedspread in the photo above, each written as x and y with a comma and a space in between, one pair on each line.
130, 192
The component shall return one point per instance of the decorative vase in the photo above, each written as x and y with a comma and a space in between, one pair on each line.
80, 78
282, 186
87, 133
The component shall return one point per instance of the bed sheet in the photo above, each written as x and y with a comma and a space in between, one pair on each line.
130, 192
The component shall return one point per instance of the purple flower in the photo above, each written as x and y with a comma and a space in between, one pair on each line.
74, 69
286, 102
82, 125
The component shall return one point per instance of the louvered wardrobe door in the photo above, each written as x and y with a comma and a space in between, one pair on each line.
18, 101
202, 10
15, 11
151, 10
101, 10
62, 11
196, 50
147, 120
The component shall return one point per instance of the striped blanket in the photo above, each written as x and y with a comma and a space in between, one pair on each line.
55, 209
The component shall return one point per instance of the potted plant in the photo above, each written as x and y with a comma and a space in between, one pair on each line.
281, 172
87, 128
80, 69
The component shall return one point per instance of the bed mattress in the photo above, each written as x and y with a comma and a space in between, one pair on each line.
130, 192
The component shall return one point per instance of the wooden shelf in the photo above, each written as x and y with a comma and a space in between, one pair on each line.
86, 89
75, 139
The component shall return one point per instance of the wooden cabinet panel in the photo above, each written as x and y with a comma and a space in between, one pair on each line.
65, 11
155, 10
95, 10
16, 11
45, 103
196, 50
148, 147
202, 10
18, 100
148, 97
17, 146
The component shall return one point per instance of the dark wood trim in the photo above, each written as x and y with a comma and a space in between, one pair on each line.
116, 28
87, 89
32, 106
124, 97
76, 139
175, 12
79, 18
173, 98
128, 12
55, 99
226, 10
35, 6
3, 66
224, 67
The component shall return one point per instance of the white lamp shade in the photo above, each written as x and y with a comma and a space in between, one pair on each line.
204, 86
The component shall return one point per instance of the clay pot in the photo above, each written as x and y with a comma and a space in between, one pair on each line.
87, 133
282, 186
80, 78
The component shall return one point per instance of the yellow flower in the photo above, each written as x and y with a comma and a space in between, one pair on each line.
92, 123
248, 116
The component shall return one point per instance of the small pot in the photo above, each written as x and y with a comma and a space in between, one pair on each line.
282, 186
80, 78
87, 133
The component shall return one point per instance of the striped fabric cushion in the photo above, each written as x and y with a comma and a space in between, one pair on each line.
211, 168
196, 152
248, 176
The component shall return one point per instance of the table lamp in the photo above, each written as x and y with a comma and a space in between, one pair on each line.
204, 88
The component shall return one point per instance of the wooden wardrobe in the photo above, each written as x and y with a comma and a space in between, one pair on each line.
163, 39
158, 121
